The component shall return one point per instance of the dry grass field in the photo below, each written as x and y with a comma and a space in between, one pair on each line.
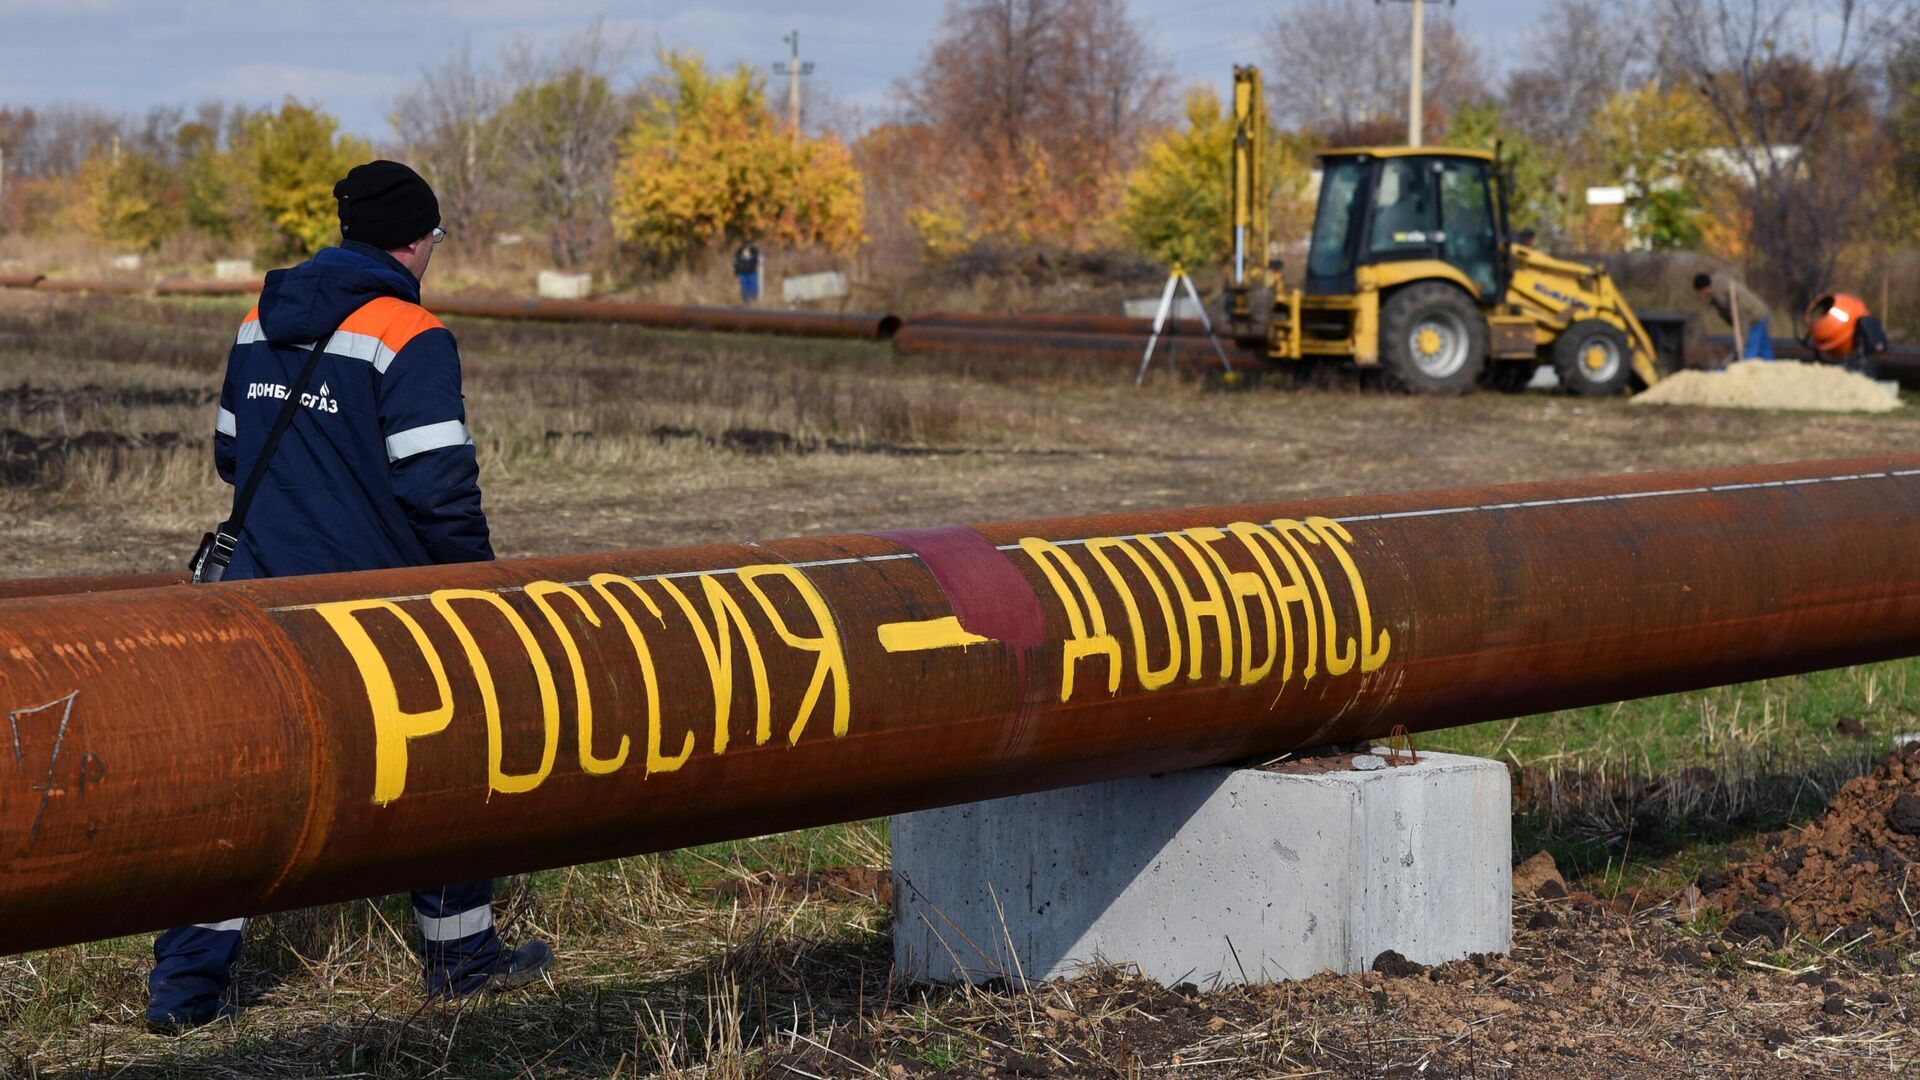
770, 957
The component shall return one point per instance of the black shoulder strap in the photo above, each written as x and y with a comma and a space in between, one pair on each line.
238, 519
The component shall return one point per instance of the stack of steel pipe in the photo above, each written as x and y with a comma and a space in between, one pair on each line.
194, 753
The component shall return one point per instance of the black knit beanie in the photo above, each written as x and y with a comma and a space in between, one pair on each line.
385, 204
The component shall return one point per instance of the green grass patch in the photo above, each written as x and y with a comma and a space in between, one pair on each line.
1785, 718
1644, 794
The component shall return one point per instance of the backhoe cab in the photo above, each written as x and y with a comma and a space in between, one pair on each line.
1410, 269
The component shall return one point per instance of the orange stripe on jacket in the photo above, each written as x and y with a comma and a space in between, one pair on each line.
394, 321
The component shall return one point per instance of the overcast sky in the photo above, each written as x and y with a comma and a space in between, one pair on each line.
354, 56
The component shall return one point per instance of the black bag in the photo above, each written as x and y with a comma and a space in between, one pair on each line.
210, 560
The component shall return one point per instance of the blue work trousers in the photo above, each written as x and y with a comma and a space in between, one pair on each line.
749, 287
1759, 344
193, 965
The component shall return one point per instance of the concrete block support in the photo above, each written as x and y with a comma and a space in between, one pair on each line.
1210, 876
554, 285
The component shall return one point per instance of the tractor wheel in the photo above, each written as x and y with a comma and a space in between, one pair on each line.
1509, 376
1593, 359
1433, 340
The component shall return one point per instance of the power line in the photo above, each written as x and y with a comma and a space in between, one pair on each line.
793, 69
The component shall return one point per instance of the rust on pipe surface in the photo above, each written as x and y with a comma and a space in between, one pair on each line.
68, 586
196, 287
873, 326
1055, 324
193, 753
916, 339
876, 326
1901, 365
87, 286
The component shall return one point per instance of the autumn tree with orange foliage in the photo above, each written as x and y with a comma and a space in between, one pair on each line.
705, 163
898, 162
1031, 112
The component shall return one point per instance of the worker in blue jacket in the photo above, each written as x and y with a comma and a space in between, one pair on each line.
377, 470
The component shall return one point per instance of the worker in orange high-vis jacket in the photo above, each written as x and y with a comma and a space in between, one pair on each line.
376, 470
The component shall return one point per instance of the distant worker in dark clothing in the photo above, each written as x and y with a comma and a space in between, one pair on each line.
1842, 330
746, 267
376, 471
1745, 312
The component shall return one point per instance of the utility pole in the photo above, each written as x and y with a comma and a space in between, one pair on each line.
793, 69
1416, 105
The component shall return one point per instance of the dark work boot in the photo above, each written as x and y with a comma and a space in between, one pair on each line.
519, 966
510, 969
175, 1025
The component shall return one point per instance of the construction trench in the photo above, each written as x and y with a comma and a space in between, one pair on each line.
187, 754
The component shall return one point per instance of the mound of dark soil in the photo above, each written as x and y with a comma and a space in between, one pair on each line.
32, 399
25, 458
1842, 872
769, 441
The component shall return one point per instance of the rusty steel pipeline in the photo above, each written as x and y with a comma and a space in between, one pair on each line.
70, 586
192, 753
1006, 342
872, 326
1123, 325
204, 287
85, 285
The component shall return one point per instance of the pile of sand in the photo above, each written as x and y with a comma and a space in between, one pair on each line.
1773, 384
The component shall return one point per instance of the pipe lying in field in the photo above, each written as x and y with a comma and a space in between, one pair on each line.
916, 339
873, 326
194, 753
1901, 366
1054, 324
11, 588
197, 287
84, 285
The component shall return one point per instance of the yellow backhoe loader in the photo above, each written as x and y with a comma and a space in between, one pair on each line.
1411, 270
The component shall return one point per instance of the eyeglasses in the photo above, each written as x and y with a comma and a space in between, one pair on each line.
438, 234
